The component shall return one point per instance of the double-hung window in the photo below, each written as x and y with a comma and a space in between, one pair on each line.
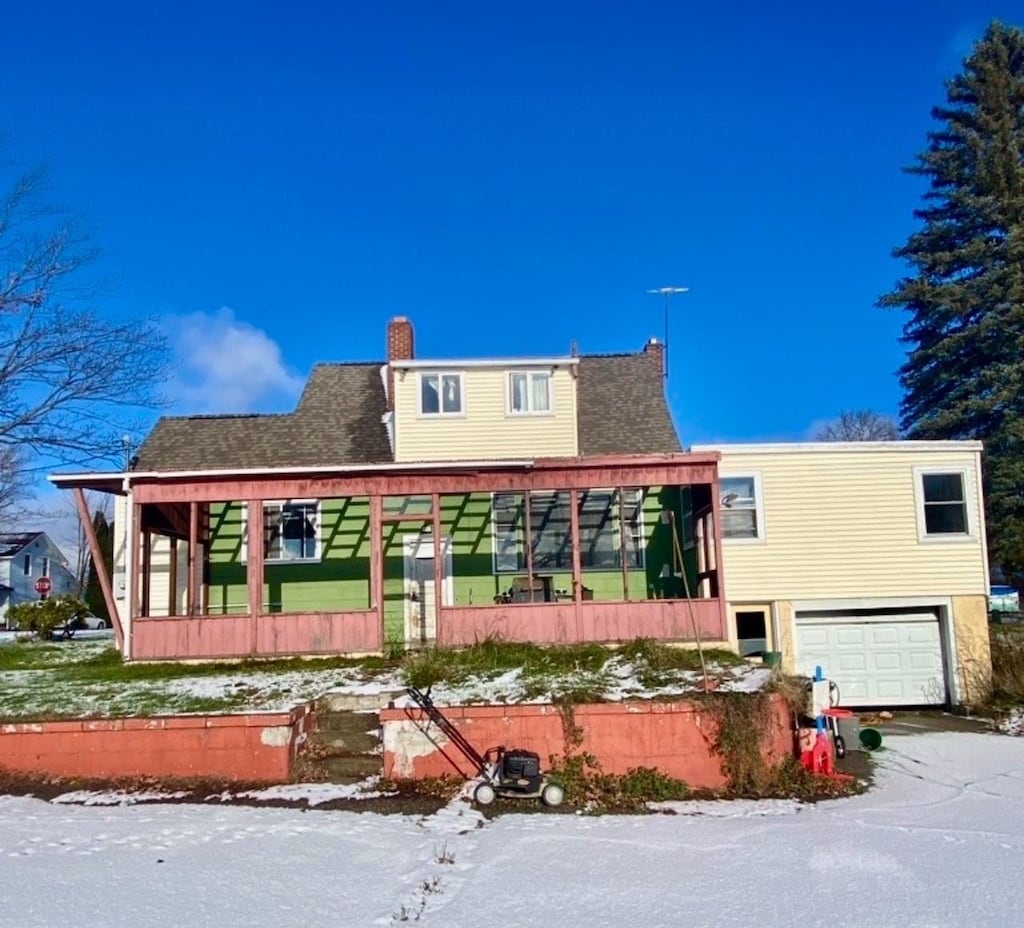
943, 504
441, 394
529, 392
742, 516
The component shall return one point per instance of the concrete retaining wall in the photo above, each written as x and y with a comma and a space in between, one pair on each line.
675, 737
246, 748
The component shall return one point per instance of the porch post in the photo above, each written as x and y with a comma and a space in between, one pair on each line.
254, 568
99, 565
577, 567
623, 546
147, 571
377, 563
528, 532
192, 595
172, 586
435, 506
719, 585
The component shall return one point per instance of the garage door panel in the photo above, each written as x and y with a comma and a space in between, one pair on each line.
877, 659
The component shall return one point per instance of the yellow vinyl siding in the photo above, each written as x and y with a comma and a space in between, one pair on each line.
485, 429
844, 524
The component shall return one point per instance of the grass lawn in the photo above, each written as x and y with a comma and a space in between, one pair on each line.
87, 678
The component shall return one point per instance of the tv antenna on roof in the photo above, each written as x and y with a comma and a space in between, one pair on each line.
667, 293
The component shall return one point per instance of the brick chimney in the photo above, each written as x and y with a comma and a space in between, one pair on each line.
400, 348
656, 350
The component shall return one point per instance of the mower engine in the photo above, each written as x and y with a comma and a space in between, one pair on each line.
520, 771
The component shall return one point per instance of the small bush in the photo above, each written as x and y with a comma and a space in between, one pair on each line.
46, 615
587, 786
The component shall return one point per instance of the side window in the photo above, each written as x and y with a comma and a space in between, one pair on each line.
944, 503
740, 499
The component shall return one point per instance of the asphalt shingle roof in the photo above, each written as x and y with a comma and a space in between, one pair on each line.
338, 421
622, 406
13, 542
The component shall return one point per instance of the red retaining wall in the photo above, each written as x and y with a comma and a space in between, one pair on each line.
244, 748
675, 737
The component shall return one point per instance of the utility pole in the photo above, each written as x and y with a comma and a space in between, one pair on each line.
667, 293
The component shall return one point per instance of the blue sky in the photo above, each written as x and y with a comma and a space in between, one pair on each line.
277, 180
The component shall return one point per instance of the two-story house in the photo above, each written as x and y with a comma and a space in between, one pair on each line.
24, 558
413, 501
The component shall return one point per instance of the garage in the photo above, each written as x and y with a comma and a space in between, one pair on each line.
880, 657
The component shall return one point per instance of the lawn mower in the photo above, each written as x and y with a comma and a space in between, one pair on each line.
500, 772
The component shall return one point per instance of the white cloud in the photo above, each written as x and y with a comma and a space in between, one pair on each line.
223, 364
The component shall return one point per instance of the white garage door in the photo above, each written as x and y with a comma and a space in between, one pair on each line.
878, 659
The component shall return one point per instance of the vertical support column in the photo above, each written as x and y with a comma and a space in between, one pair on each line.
528, 541
377, 564
577, 564
254, 568
172, 586
435, 508
192, 596
623, 546
718, 589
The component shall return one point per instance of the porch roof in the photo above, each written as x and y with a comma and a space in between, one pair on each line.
410, 479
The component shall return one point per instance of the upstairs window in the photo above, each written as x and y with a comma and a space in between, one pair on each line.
529, 392
944, 504
26, 565
291, 531
45, 567
441, 394
741, 508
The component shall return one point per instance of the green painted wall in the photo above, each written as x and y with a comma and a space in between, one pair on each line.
340, 580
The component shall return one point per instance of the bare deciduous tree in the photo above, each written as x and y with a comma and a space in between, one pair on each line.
71, 378
860, 425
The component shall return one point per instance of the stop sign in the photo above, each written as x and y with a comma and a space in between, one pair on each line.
43, 585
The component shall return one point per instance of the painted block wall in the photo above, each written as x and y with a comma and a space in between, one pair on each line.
242, 748
675, 737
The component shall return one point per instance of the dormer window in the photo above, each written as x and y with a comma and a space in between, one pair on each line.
529, 392
440, 394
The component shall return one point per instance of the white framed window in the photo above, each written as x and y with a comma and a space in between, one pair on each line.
45, 561
942, 510
741, 507
26, 565
291, 531
551, 530
529, 393
441, 394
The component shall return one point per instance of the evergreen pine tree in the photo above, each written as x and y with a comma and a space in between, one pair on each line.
93, 593
964, 374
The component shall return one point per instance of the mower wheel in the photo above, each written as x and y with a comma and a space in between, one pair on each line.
840, 747
552, 795
484, 794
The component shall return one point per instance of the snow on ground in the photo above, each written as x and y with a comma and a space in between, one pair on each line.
50, 691
937, 842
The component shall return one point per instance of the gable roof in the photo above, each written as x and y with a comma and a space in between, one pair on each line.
12, 542
339, 421
622, 406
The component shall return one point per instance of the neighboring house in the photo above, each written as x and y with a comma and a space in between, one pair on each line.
24, 558
866, 558
409, 502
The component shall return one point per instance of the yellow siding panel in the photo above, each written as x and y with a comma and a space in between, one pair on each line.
485, 430
844, 524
